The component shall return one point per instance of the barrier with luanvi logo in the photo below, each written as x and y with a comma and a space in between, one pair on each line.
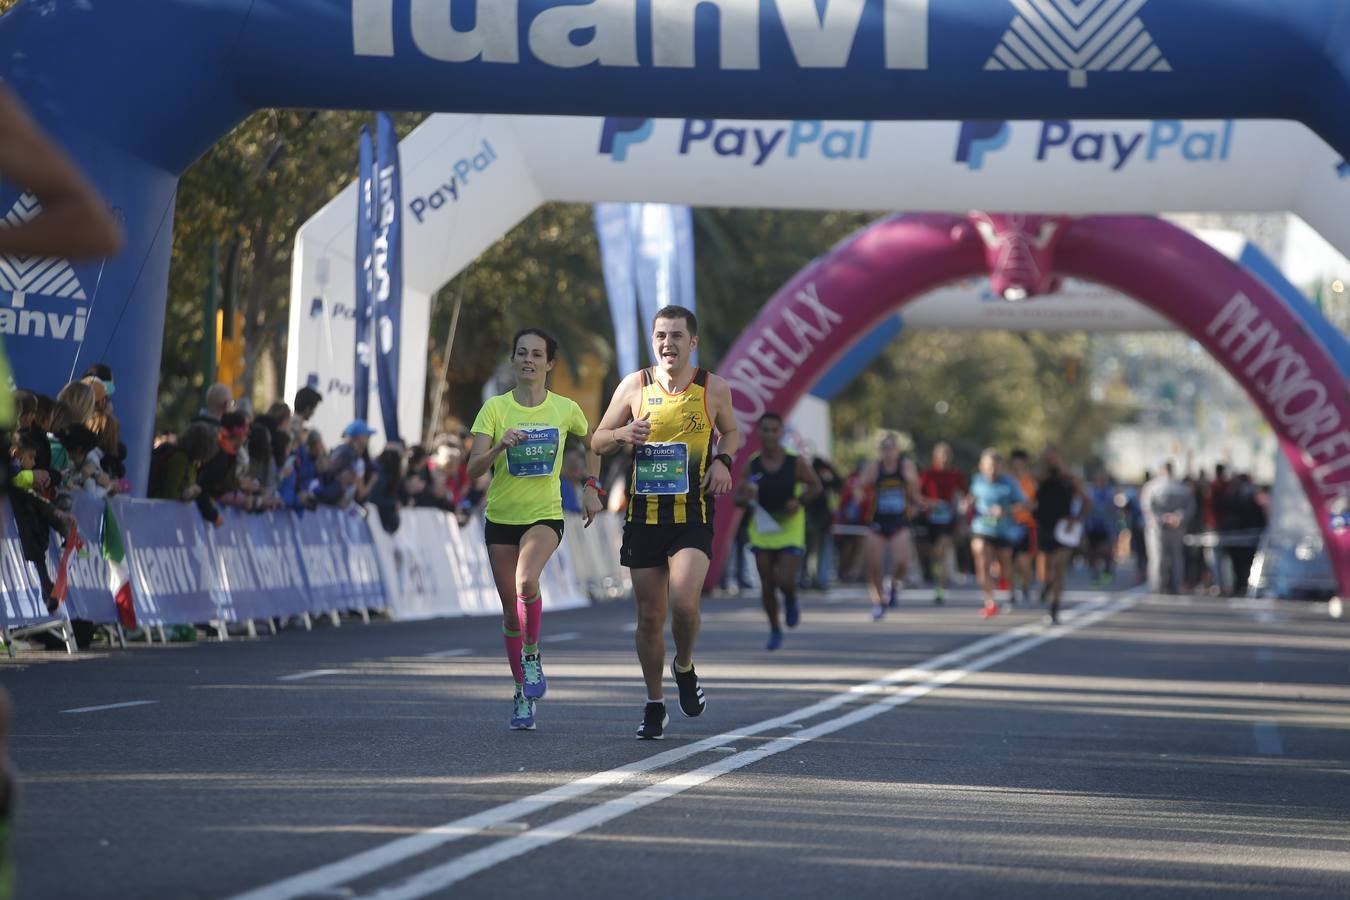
182, 570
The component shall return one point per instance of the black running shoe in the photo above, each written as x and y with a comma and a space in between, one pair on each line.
692, 702
654, 722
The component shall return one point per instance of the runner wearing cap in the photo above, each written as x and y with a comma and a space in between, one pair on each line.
520, 436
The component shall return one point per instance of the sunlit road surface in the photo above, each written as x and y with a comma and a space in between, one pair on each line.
1160, 747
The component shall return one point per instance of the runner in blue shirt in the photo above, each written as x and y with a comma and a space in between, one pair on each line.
995, 496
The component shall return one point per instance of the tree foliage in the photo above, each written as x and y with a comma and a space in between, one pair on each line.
249, 194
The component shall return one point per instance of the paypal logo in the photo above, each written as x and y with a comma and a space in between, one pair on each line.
1343, 168
1086, 143
978, 138
756, 142
618, 134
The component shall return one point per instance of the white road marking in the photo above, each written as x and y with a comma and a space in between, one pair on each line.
447, 654
1268, 741
438, 878
384, 856
565, 636
89, 709
312, 673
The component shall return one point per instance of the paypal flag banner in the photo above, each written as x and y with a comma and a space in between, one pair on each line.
387, 256
616, 258
662, 236
365, 226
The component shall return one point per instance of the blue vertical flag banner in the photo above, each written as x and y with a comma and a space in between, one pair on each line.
616, 259
387, 258
365, 227
662, 238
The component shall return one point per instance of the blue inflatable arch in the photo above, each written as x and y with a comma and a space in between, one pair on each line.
137, 89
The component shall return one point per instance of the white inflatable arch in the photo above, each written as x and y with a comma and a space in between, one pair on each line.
468, 179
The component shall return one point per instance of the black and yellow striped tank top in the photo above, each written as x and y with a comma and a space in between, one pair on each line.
665, 486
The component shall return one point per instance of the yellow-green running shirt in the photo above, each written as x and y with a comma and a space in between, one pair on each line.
525, 486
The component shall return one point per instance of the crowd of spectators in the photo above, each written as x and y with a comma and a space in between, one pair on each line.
62, 446
227, 457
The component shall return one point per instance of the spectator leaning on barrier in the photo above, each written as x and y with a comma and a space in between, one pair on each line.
81, 444
387, 494
74, 404
112, 453
307, 400
425, 483
219, 399
175, 468
351, 464
26, 407
310, 465
219, 477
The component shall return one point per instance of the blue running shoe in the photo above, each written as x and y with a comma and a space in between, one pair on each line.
877, 613
522, 715
792, 612
775, 640
536, 685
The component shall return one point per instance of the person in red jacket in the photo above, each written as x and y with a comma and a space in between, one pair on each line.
942, 487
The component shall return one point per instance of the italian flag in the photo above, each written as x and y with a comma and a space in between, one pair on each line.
119, 577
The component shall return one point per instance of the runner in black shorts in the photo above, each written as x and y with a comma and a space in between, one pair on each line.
892, 497
995, 497
520, 436
942, 489
668, 414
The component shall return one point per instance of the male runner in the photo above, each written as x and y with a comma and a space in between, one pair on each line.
941, 488
667, 414
780, 483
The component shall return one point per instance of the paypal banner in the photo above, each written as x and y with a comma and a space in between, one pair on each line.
615, 236
365, 232
387, 263
664, 255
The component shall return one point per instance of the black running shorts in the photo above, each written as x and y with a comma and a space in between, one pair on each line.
651, 546
494, 533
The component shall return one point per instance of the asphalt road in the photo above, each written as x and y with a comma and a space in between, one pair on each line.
1149, 747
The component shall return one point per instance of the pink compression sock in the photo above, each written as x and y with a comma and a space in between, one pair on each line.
513, 645
533, 618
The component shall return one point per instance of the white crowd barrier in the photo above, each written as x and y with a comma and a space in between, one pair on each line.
183, 571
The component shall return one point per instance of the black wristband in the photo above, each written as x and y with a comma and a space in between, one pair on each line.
725, 459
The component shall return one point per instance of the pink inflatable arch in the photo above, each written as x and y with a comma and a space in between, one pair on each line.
836, 300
